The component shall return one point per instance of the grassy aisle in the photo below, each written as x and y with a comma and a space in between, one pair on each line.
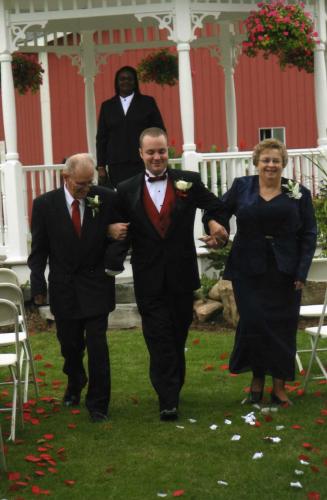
135, 456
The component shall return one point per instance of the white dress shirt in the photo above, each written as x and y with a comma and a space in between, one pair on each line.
157, 190
126, 102
69, 201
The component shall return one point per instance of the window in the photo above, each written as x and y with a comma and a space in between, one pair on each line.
272, 133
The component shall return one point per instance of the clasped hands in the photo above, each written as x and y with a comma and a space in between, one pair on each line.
218, 235
118, 231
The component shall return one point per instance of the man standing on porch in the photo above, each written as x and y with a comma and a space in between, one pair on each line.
121, 121
69, 227
160, 205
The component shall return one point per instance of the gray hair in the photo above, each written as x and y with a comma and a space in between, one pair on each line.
78, 160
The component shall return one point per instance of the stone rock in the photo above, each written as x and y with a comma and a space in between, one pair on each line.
214, 293
313, 293
230, 312
204, 310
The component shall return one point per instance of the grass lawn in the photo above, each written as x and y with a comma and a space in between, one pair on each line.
137, 457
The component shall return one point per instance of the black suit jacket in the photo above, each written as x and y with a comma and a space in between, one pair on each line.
170, 263
78, 285
118, 134
293, 244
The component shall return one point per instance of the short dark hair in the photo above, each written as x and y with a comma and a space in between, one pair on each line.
131, 70
152, 132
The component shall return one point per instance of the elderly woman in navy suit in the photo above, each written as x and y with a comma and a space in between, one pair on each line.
268, 264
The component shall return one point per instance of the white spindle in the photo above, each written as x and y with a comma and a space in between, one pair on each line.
213, 174
204, 173
297, 168
223, 176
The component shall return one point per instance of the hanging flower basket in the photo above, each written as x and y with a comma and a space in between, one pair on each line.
283, 30
27, 73
159, 67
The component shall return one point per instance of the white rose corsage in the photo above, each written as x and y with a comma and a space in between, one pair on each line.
182, 187
293, 189
93, 202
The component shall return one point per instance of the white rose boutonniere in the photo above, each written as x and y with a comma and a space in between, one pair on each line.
293, 189
182, 187
93, 202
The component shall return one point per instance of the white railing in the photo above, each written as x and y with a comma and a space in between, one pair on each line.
218, 170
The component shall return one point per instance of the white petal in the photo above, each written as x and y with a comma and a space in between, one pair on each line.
257, 455
296, 485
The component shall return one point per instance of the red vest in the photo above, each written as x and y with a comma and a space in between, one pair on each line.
161, 221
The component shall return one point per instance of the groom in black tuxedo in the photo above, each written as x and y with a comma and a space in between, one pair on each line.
69, 230
160, 205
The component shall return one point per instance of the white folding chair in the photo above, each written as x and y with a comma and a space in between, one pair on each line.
3, 464
13, 293
8, 276
10, 360
318, 273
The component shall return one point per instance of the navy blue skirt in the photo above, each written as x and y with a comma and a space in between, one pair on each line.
265, 340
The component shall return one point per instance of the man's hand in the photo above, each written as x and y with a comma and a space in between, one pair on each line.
40, 299
118, 231
298, 285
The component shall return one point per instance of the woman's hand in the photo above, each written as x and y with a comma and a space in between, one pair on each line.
299, 285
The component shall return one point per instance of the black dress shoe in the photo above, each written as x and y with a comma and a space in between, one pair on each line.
169, 415
97, 416
277, 401
71, 397
255, 397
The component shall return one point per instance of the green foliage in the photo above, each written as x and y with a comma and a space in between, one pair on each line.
134, 456
159, 67
283, 30
320, 206
218, 258
206, 285
27, 73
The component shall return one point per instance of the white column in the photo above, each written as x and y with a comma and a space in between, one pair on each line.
228, 60
45, 101
320, 76
183, 35
89, 70
15, 228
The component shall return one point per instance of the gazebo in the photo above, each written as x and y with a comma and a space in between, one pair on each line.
90, 30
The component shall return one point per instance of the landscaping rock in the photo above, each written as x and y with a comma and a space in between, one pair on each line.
205, 309
214, 293
230, 312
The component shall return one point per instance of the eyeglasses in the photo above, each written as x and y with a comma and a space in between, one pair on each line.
266, 161
83, 184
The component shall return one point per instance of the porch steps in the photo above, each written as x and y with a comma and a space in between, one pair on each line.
125, 315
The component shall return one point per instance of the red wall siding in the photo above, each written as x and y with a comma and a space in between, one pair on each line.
266, 97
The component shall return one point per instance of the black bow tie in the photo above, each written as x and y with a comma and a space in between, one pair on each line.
157, 177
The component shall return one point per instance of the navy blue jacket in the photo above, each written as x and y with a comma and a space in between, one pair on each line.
293, 244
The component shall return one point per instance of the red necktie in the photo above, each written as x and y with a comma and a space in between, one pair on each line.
76, 217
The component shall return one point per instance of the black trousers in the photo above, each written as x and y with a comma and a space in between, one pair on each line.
118, 172
165, 322
74, 335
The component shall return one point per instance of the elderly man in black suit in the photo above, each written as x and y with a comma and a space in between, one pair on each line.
69, 228
121, 121
160, 205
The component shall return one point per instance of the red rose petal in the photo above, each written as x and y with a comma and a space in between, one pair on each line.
196, 341
300, 392
48, 437
313, 495
32, 458
296, 427
39, 473
71, 426
323, 412
224, 355
314, 468
308, 446
53, 470
268, 418
208, 368
320, 421
75, 412
13, 476
69, 482
37, 357
48, 365
304, 457
178, 493
224, 367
